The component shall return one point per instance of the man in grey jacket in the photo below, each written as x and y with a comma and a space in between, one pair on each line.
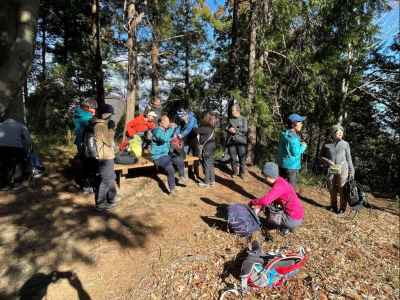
337, 157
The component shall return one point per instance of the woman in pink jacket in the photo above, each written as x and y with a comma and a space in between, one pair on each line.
281, 193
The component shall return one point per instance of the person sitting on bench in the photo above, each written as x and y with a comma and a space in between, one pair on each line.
161, 154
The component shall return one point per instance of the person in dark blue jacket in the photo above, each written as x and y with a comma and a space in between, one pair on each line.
187, 130
291, 149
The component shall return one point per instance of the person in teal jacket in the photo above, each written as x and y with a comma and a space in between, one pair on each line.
291, 149
161, 154
82, 116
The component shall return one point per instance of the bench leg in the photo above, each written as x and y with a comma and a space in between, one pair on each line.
118, 178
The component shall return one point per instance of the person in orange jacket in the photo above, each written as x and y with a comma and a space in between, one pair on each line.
141, 124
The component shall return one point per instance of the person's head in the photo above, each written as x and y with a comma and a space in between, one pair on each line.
337, 131
210, 119
295, 122
182, 115
271, 172
156, 103
235, 111
89, 105
151, 116
164, 121
106, 111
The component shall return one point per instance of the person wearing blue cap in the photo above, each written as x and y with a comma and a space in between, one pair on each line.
291, 149
186, 130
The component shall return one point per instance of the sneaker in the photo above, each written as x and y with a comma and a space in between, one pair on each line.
241, 175
284, 231
212, 183
182, 180
87, 190
36, 173
204, 185
117, 198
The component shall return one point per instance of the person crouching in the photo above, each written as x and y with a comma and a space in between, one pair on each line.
161, 152
282, 193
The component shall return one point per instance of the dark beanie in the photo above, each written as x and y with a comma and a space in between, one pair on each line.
106, 109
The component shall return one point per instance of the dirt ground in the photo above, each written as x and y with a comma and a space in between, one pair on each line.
54, 245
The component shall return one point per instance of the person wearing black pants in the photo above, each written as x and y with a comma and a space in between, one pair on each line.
206, 148
237, 141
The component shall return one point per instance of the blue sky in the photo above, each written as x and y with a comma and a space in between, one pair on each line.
389, 22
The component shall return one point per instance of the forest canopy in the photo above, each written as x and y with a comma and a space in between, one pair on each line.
321, 59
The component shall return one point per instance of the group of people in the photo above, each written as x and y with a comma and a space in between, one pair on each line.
169, 141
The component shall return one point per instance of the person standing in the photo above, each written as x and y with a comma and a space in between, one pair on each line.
337, 157
237, 141
206, 135
186, 130
15, 150
161, 152
291, 149
106, 192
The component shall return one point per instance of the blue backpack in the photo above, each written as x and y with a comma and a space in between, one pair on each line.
242, 220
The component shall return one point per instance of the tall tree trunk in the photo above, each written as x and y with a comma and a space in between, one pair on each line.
345, 84
187, 57
134, 18
44, 47
252, 134
233, 64
17, 28
155, 68
98, 62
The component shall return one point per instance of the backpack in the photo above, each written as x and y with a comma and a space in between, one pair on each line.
242, 220
271, 270
201, 146
135, 146
89, 146
356, 197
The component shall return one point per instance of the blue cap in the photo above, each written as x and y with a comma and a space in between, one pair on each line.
296, 118
271, 169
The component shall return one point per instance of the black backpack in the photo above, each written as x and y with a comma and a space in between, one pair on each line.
89, 147
356, 197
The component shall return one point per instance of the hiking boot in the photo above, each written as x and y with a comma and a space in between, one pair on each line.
212, 183
105, 207
182, 180
172, 192
204, 185
241, 175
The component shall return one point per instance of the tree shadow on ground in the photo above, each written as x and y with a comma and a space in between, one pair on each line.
313, 202
233, 266
233, 186
42, 229
218, 221
256, 176
35, 288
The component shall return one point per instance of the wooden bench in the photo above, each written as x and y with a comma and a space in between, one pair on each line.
145, 161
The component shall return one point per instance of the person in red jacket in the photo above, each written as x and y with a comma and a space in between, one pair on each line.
141, 124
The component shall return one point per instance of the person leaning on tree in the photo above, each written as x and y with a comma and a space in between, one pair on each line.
337, 157
291, 149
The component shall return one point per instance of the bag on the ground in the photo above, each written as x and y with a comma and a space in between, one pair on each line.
274, 214
270, 270
125, 158
89, 146
355, 195
135, 146
242, 220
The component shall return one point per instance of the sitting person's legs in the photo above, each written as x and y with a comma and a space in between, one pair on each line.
179, 164
165, 163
